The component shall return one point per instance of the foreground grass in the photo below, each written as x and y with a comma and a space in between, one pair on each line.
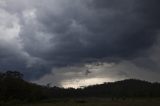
94, 102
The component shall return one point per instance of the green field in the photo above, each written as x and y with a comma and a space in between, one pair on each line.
93, 102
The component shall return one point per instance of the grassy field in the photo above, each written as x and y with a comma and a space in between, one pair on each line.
94, 102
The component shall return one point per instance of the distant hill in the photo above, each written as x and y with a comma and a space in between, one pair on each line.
13, 87
124, 88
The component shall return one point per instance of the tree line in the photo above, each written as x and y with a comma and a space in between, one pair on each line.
14, 87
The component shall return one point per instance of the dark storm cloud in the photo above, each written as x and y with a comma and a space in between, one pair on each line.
121, 29
60, 33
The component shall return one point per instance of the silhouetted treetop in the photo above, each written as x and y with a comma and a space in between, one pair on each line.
12, 86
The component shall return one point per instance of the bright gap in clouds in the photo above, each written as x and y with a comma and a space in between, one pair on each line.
96, 73
80, 76
77, 83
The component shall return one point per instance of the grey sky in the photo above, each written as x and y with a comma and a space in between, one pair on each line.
49, 37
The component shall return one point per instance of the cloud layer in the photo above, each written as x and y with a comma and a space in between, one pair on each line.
38, 36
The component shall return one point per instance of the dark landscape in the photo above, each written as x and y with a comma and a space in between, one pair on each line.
16, 91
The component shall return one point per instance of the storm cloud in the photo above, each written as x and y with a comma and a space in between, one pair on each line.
39, 37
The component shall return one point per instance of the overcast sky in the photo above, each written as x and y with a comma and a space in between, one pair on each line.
73, 43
